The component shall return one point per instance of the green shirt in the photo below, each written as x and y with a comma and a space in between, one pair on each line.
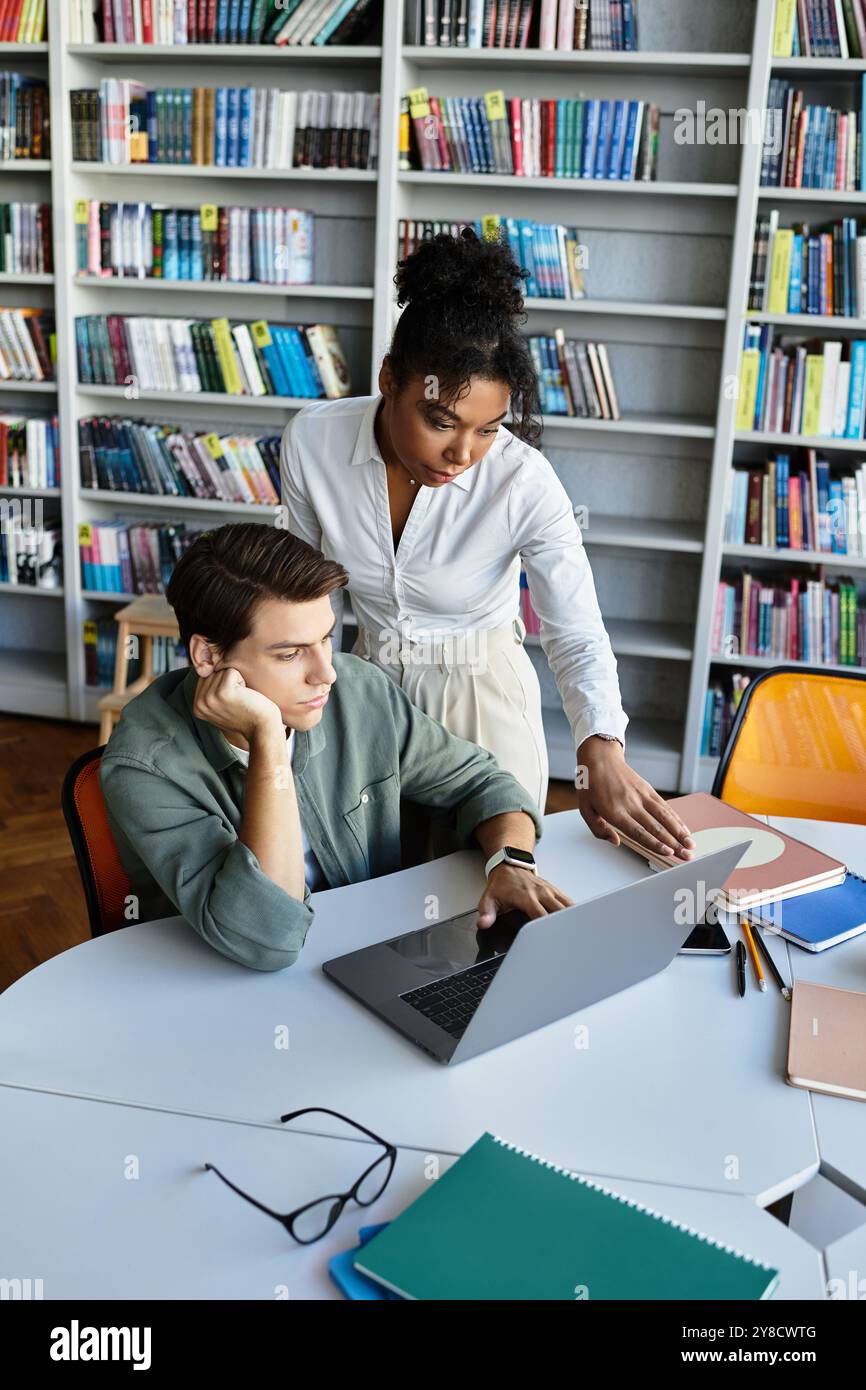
174, 792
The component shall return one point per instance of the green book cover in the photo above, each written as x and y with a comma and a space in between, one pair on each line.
504, 1224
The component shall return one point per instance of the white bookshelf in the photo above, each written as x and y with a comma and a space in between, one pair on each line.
33, 645
668, 264
730, 444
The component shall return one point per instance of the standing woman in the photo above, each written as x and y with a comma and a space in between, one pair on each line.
431, 504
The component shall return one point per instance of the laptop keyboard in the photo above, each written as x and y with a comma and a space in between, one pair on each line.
452, 1001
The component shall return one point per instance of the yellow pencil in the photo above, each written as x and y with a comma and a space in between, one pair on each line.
750, 942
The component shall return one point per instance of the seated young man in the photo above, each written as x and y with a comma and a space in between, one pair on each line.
272, 767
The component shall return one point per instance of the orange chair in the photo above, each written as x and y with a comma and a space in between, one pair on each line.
798, 746
103, 877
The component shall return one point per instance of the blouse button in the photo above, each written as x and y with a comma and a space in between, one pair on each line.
364, 799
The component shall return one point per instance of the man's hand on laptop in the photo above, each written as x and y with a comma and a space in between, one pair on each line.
225, 699
509, 887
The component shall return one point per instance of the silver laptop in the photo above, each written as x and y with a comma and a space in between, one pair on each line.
457, 991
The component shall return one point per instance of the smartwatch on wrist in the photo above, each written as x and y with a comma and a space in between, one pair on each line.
520, 858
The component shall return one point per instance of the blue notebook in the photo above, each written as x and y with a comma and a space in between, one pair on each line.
349, 1280
821, 919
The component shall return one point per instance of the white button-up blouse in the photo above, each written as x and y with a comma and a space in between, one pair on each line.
457, 566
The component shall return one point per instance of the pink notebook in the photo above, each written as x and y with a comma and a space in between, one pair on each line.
774, 866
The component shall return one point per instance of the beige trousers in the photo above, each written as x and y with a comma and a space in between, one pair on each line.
481, 685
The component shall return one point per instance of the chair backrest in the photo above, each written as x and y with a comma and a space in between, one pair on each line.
103, 877
798, 746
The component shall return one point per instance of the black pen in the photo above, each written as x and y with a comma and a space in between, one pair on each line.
741, 968
774, 969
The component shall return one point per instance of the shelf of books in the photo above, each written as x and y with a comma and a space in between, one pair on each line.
785, 569
260, 275
322, 141
33, 673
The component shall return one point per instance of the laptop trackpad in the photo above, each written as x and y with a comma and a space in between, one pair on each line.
445, 947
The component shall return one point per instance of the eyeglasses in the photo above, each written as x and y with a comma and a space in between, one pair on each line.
312, 1221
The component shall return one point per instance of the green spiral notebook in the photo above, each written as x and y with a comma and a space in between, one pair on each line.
503, 1223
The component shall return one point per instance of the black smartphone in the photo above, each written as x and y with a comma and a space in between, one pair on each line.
707, 939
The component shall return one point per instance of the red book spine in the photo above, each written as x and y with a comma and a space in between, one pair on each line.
550, 159
108, 22
146, 21
516, 113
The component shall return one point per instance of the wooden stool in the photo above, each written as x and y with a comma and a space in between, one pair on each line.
145, 618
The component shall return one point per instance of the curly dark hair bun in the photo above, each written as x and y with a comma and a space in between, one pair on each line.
463, 273
462, 302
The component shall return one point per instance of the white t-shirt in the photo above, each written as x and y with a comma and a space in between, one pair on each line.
313, 875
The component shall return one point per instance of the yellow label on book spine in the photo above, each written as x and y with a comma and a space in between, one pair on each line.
490, 226
748, 393
812, 394
783, 30
85, 534
82, 212
213, 444
780, 272
90, 633
495, 103
261, 333
418, 102
209, 214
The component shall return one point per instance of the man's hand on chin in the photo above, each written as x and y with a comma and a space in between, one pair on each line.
509, 887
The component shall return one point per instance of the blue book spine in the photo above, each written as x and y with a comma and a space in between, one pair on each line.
273, 358
782, 476
838, 538
233, 126
590, 138
822, 482
617, 140
170, 256
306, 378
244, 21
759, 339
335, 21
195, 254
832, 140
486, 140
184, 236
630, 136
813, 276
221, 125
245, 116
222, 21
513, 234
152, 145
795, 284
287, 357
527, 238
471, 139
186, 128
559, 157
629, 27
603, 143
857, 390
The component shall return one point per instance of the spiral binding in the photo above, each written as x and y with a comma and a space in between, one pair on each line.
631, 1202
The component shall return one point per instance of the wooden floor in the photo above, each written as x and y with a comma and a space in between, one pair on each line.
42, 908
